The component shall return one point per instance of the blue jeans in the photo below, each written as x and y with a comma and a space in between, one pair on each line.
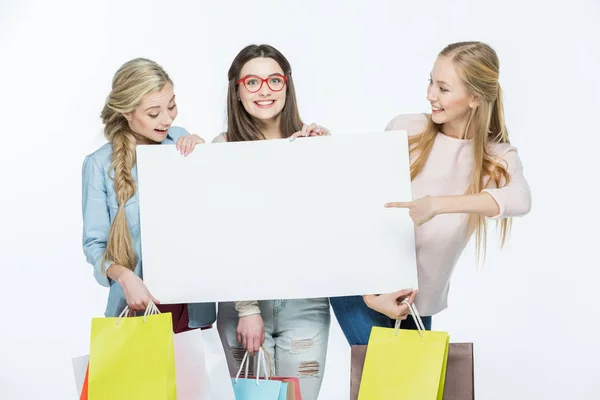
356, 319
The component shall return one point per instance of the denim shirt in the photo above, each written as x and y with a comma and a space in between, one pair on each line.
100, 205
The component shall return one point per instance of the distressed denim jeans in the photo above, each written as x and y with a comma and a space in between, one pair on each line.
296, 337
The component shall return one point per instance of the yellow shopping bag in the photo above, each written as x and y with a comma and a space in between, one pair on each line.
405, 364
132, 357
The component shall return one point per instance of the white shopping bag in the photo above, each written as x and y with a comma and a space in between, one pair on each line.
190, 366
79, 367
216, 366
200, 365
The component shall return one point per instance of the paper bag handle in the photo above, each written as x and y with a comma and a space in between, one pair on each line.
269, 362
415, 314
150, 310
261, 359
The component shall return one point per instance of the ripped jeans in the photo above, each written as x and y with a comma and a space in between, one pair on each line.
296, 337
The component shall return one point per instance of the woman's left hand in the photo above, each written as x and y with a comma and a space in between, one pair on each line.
310, 130
421, 210
390, 304
186, 144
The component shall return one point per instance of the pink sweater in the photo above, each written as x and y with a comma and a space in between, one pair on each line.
447, 172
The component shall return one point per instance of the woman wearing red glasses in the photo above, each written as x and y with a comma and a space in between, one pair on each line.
261, 105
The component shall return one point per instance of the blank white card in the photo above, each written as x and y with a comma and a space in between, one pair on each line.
276, 219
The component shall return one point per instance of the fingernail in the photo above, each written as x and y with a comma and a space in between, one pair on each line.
292, 138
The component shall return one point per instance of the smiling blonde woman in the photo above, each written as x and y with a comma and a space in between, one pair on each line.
464, 171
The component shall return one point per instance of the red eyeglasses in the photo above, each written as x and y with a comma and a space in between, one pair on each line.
254, 83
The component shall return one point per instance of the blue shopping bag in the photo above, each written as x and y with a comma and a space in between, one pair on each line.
255, 388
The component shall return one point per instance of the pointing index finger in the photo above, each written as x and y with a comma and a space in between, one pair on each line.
398, 204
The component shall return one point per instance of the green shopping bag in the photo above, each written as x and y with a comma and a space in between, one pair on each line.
405, 364
132, 357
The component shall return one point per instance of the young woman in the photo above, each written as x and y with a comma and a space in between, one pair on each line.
261, 105
140, 109
464, 171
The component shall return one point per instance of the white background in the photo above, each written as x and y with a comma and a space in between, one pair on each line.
531, 311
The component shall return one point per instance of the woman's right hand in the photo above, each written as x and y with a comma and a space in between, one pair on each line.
136, 293
251, 332
391, 304
310, 130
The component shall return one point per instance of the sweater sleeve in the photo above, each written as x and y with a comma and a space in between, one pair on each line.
245, 308
514, 199
412, 123
220, 138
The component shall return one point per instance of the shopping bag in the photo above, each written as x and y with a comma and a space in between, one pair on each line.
283, 391
254, 388
293, 387
84, 388
290, 387
459, 384
80, 372
190, 366
460, 377
201, 367
132, 357
406, 364
293, 384
216, 366
200, 364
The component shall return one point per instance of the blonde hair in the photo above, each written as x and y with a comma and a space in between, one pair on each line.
131, 84
478, 67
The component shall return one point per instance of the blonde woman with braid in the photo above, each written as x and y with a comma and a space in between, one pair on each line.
140, 109
464, 172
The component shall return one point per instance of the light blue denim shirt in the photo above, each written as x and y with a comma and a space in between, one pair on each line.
99, 204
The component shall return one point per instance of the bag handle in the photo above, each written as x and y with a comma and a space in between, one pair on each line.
262, 359
269, 362
415, 314
237, 376
150, 310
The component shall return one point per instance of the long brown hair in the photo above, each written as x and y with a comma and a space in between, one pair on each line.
478, 67
131, 83
241, 126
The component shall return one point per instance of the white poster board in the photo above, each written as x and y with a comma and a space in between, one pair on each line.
276, 219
